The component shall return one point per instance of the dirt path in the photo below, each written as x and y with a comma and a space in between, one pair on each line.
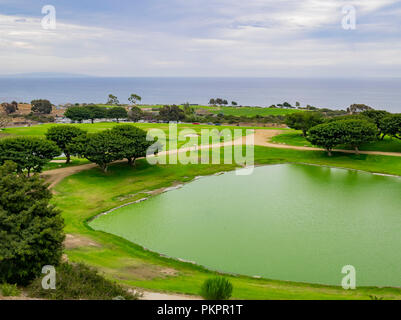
148, 295
263, 138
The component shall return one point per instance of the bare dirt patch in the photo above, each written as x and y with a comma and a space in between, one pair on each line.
74, 241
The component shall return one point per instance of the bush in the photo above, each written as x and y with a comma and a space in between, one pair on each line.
78, 281
9, 290
218, 288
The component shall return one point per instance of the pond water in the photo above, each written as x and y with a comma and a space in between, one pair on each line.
285, 222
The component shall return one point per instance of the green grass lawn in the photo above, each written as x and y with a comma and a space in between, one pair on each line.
89, 193
240, 111
295, 138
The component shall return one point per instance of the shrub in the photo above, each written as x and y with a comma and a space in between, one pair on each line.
78, 281
218, 288
9, 290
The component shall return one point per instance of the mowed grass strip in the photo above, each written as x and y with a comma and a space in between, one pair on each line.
88, 193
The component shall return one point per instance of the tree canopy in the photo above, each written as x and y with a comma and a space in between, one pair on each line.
77, 113
31, 230
63, 136
135, 114
117, 113
303, 120
41, 106
171, 113
353, 132
326, 135
135, 143
29, 153
101, 148
391, 125
134, 98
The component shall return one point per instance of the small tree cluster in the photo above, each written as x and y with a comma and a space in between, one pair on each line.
218, 101
121, 142
92, 113
349, 132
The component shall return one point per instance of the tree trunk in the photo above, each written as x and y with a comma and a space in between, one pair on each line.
92, 121
118, 121
68, 158
329, 152
357, 150
304, 133
104, 168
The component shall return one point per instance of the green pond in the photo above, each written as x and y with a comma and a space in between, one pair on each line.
286, 222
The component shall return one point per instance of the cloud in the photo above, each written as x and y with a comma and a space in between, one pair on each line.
207, 38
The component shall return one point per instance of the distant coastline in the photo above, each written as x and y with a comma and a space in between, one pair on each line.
62, 88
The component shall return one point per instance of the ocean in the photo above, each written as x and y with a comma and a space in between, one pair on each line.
330, 93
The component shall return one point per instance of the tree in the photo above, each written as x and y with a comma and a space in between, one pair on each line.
357, 132
233, 103
326, 135
29, 153
10, 107
77, 113
212, 101
31, 230
303, 121
376, 116
135, 143
96, 112
171, 113
134, 98
391, 125
63, 137
188, 110
355, 108
101, 148
41, 106
117, 113
135, 114
112, 100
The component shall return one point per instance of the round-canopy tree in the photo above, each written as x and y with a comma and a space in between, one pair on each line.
96, 112
77, 113
29, 153
63, 136
303, 121
101, 148
31, 230
135, 143
326, 135
357, 132
117, 113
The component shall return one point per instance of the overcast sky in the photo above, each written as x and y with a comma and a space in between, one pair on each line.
254, 38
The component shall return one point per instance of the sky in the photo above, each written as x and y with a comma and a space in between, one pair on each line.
202, 38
